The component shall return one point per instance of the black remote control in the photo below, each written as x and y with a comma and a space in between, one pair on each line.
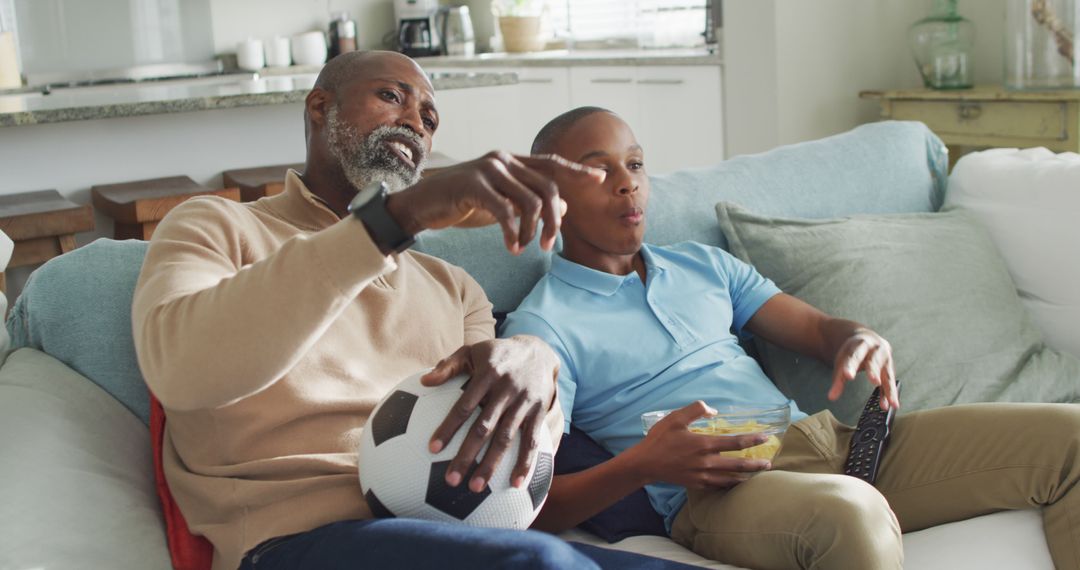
870, 439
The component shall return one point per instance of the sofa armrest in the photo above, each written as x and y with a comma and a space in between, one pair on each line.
77, 482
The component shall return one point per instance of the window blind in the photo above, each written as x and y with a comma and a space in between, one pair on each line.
649, 23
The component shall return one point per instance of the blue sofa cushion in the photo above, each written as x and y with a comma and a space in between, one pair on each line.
877, 168
77, 308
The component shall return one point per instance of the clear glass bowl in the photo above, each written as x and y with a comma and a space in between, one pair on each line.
737, 420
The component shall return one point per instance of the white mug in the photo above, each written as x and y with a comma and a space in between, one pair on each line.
277, 52
249, 55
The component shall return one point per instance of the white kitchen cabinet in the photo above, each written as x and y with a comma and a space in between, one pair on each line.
476, 120
505, 117
675, 111
679, 117
612, 88
544, 93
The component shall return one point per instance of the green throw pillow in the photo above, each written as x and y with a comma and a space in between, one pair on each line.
932, 284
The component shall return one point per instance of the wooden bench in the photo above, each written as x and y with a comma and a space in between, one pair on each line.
138, 206
42, 224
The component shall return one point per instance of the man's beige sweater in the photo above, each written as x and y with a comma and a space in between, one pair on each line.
269, 331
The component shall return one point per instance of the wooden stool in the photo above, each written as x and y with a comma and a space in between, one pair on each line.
138, 206
260, 181
42, 224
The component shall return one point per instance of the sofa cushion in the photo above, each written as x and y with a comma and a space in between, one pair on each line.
77, 487
932, 284
188, 551
1001, 541
878, 168
632, 515
1029, 202
77, 308
506, 278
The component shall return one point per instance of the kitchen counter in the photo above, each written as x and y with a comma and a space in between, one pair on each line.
184, 95
564, 58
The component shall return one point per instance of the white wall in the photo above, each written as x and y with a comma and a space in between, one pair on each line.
793, 70
237, 20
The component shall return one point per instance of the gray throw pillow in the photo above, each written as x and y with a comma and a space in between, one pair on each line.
932, 284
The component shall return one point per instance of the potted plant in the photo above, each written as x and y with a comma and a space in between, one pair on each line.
519, 23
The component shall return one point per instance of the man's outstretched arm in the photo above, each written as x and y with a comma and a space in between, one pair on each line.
849, 346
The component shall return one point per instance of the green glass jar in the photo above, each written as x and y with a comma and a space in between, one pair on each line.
943, 44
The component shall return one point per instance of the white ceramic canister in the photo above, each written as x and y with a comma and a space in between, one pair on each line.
249, 55
309, 48
278, 53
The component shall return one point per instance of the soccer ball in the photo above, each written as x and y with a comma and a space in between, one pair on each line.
400, 477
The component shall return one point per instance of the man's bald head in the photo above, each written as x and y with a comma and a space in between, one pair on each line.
343, 69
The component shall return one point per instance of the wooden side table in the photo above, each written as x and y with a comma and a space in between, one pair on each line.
988, 116
42, 224
138, 206
260, 181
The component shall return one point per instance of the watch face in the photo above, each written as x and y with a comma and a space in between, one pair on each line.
365, 195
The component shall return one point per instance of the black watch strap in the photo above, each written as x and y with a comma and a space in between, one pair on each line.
387, 234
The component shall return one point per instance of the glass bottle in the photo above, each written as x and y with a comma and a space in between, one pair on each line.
1039, 48
943, 44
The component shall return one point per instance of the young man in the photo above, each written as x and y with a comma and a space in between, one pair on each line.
640, 328
270, 330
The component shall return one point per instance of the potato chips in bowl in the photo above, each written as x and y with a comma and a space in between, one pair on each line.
772, 420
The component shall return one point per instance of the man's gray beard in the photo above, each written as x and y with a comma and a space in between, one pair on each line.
365, 160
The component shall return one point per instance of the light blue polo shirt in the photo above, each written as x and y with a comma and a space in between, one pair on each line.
628, 348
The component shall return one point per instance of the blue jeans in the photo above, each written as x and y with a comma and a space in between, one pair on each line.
412, 544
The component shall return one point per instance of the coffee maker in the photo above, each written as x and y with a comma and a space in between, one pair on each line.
418, 35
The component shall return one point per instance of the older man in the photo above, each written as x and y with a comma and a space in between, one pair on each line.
270, 330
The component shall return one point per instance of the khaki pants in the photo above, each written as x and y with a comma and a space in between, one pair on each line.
942, 465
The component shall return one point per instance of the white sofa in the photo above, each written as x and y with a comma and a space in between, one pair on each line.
76, 479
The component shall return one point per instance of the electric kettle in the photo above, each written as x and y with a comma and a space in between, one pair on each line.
455, 26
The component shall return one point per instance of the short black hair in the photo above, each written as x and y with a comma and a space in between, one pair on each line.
549, 135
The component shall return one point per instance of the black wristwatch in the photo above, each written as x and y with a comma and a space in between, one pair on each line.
369, 206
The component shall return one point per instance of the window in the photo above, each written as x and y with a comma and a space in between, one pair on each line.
648, 23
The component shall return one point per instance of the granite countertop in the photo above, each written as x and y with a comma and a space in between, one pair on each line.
565, 58
182, 95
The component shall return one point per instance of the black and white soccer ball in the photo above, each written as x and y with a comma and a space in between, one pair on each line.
400, 477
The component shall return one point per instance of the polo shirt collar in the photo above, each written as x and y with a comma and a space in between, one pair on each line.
600, 282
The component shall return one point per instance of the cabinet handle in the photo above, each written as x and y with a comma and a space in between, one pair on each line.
969, 111
660, 81
611, 80
536, 80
